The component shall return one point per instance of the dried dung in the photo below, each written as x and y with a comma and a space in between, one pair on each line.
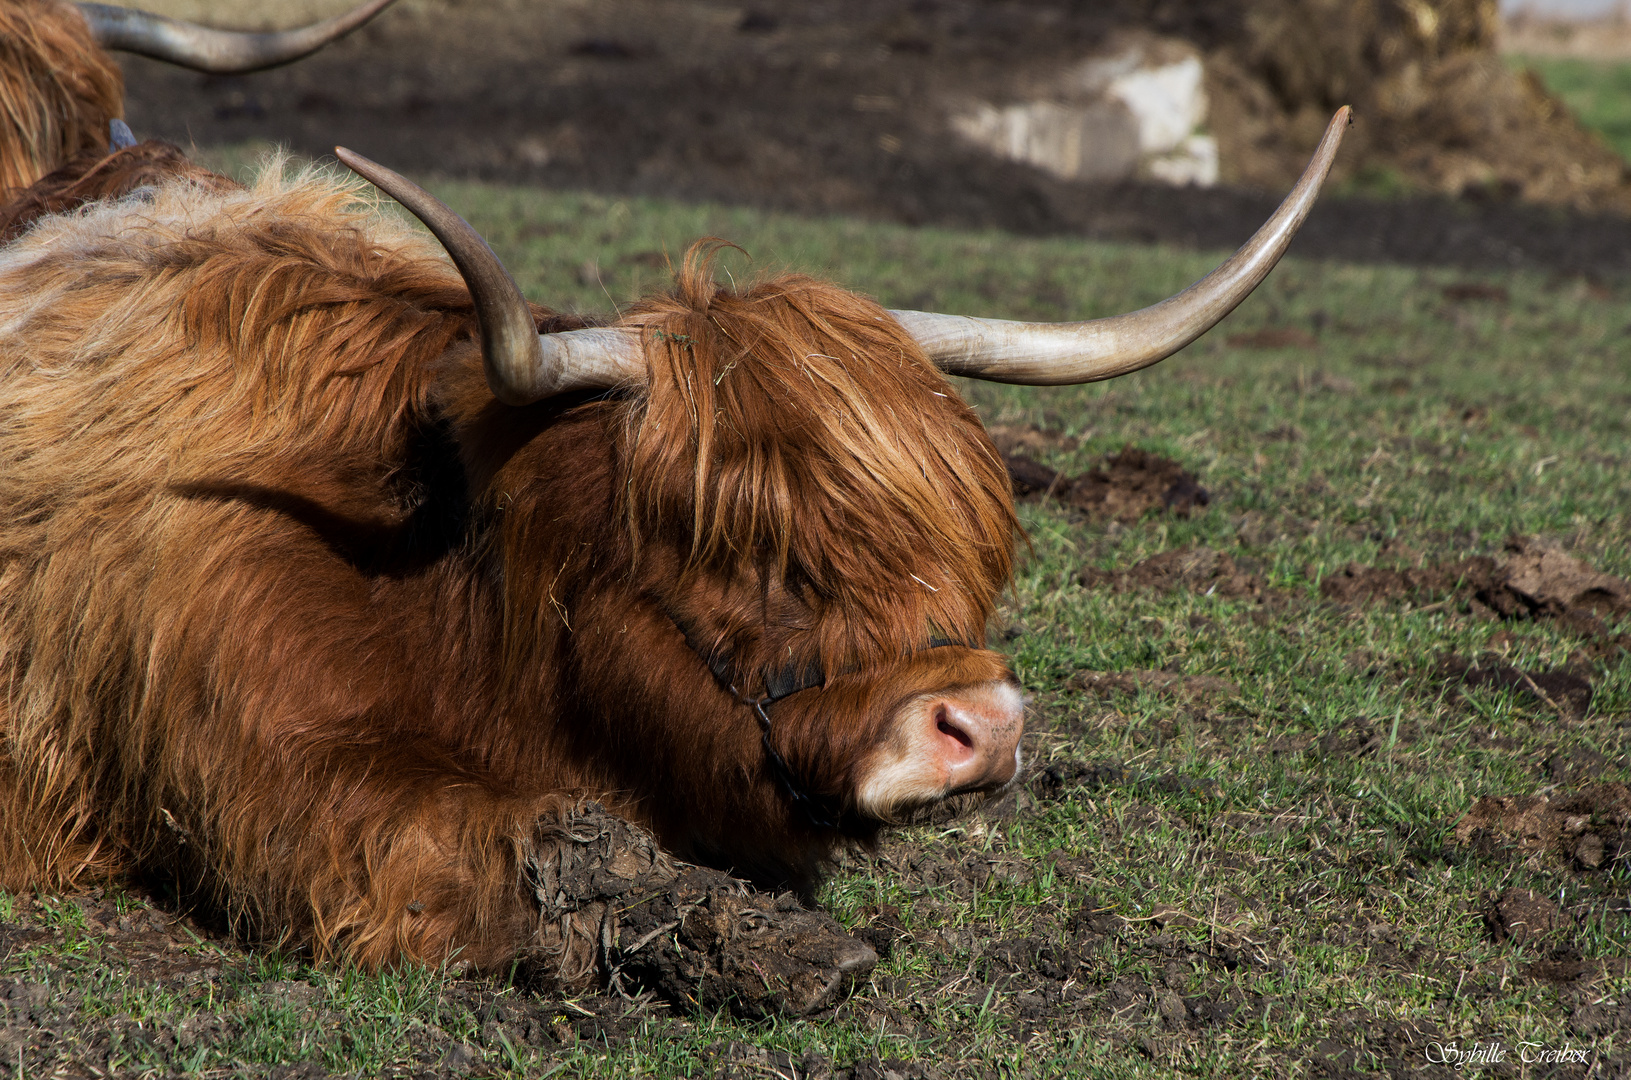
1589, 828
616, 910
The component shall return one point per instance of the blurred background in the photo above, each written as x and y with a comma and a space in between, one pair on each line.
1177, 121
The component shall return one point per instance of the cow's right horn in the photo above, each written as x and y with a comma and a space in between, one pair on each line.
522, 366
219, 52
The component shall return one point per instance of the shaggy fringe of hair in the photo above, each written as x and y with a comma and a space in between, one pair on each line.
784, 424
58, 90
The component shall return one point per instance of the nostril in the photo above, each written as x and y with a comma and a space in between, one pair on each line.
942, 720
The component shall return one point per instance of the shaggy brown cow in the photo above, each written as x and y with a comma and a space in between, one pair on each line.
60, 91
328, 577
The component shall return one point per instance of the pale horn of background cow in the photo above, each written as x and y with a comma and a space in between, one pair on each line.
220, 52
523, 367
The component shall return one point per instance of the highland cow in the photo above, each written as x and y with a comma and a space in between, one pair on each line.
62, 95
334, 579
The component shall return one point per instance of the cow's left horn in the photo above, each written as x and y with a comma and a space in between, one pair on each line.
1054, 354
220, 52
522, 366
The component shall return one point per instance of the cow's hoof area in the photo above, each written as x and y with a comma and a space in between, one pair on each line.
617, 912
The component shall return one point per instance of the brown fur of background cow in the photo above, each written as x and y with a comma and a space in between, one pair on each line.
294, 611
58, 91
95, 175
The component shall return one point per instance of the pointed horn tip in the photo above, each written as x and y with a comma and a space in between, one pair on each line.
1341, 120
370, 170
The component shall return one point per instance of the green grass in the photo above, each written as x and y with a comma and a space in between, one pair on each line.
1417, 423
1598, 92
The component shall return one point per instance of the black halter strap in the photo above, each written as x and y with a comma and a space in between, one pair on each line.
820, 812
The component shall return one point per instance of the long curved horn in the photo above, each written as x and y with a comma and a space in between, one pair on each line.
220, 52
522, 366
1054, 354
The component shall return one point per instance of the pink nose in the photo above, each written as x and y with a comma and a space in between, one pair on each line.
941, 744
973, 735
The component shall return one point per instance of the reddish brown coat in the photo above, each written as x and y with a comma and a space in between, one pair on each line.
293, 610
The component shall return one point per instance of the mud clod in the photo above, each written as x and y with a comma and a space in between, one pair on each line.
1589, 829
1566, 692
1523, 917
1533, 579
1127, 486
1198, 569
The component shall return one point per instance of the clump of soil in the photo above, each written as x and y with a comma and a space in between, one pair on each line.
1589, 828
1198, 569
1028, 438
1564, 691
1127, 486
1533, 579
705, 942
1132, 483
1522, 917
1055, 780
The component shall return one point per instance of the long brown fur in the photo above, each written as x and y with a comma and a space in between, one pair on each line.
293, 611
58, 91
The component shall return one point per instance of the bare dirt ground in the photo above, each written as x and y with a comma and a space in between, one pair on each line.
833, 107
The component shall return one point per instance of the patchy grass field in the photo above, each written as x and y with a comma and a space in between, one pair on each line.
1256, 725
